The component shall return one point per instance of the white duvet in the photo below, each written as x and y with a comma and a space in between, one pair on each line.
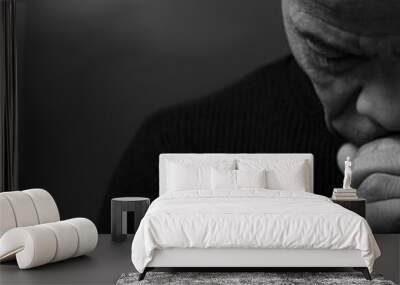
250, 219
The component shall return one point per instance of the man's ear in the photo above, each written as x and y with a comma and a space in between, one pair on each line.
344, 151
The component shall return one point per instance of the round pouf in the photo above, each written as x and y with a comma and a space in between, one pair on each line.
119, 208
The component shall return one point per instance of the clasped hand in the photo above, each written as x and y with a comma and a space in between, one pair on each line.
376, 175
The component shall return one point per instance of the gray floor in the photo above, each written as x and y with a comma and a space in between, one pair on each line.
103, 266
110, 260
389, 262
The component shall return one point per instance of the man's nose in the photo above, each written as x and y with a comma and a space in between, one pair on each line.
379, 100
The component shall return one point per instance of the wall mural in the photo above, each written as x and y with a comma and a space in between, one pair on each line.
235, 87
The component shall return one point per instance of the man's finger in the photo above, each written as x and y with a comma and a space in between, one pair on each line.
380, 145
376, 162
384, 216
345, 151
380, 186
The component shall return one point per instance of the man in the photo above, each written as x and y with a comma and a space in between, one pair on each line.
351, 52
339, 96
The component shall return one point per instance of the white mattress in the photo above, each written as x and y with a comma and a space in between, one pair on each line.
263, 219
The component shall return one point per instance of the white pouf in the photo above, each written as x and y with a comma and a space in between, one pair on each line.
67, 238
37, 245
23, 208
32, 233
87, 233
7, 220
26, 208
45, 205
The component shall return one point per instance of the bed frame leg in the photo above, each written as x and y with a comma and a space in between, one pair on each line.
364, 271
142, 275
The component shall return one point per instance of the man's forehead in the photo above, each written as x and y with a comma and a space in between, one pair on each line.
364, 17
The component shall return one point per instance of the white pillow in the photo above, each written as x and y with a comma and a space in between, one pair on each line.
183, 178
281, 174
223, 179
190, 174
251, 178
237, 179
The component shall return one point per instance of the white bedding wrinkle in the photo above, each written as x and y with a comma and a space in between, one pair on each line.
250, 218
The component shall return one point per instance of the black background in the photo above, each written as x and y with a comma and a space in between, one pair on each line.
92, 70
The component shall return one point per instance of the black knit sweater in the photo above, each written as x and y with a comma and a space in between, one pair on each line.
272, 110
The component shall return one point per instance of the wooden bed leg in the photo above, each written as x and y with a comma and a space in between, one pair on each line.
142, 275
364, 271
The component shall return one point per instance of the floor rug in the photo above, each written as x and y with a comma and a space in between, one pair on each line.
268, 278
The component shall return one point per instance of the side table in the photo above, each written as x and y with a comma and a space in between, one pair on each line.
356, 205
119, 208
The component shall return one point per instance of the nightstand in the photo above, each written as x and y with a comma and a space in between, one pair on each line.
356, 205
119, 208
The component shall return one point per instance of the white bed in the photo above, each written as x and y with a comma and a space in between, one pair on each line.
250, 227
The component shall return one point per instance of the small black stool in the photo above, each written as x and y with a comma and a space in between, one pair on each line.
119, 209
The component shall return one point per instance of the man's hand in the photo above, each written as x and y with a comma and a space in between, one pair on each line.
376, 174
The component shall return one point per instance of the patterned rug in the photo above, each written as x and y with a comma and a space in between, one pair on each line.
269, 278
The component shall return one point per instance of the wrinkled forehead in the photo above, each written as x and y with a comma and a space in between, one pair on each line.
370, 27
363, 17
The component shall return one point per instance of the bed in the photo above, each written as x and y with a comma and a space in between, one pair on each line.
247, 211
